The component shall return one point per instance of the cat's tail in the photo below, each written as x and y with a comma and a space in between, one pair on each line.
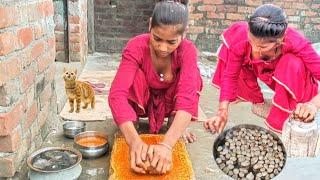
93, 102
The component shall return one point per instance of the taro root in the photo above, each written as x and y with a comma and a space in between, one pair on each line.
218, 160
250, 154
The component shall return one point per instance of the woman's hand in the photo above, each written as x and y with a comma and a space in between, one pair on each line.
218, 122
138, 153
305, 112
161, 157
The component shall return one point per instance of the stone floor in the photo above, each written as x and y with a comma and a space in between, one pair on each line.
200, 152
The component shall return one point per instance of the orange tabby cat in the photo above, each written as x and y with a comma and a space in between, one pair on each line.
77, 90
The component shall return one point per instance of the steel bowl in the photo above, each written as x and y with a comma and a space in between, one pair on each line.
72, 128
91, 152
221, 139
34, 154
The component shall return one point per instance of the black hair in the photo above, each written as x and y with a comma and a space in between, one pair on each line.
268, 21
171, 13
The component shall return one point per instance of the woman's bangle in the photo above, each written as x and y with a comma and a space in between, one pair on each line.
166, 145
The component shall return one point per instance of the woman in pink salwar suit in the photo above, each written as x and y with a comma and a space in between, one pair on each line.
158, 77
266, 49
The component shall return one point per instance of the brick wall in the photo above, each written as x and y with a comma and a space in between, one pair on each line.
208, 18
71, 30
118, 20
27, 96
61, 30
78, 30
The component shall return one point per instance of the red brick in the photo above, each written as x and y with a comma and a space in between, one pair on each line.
226, 8
207, 8
191, 9
297, 5
191, 2
307, 20
227, 22
213, 1
45, 61
31, 116
235, 16
287, 5
25, 36
75, 47
253, 2
10, 143
196, 29
51, 42
40, 10
10, 120
291, 12
312, 13
74, 19
37, 50
7, 43
28, 78
9, 69
315, 20
59, 37
216, 15
247, 10
315, 6
60, 46
3, 17
12, 67
8, 16
48, 8
317, 27
280, 4
3, 77
7, 168
33, 12
74, 28
74, 38
196, 16
294, 26
217, 31
59, 27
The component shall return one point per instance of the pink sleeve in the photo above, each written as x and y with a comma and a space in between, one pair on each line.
303, 48
229, 80
118, 95
234, 39
190, 82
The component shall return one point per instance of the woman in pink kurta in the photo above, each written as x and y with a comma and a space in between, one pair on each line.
279, 56
158, 77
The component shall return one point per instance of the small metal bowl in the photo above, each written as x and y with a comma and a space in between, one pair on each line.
72, 128
91, 152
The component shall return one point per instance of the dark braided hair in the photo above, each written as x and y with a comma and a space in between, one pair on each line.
171, 13
268, 21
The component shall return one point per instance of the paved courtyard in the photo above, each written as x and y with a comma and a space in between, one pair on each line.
200, 152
